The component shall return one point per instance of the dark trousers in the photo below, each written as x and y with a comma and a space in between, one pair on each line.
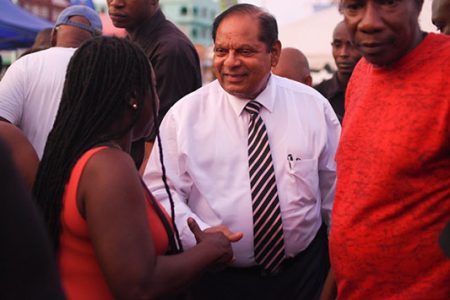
301, 278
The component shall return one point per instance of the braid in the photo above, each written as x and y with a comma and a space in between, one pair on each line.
166, 186
102, 76
179, 246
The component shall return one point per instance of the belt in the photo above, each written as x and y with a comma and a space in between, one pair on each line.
259, 271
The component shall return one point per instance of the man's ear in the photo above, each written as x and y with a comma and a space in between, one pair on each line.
308, 80
53, 38
275, 51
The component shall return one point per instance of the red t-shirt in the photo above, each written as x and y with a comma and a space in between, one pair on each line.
393, 179
81, 275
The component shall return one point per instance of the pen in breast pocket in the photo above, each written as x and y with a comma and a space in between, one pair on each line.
290, 160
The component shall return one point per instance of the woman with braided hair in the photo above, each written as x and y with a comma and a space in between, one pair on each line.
109, 233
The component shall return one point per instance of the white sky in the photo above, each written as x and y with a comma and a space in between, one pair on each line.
288, 11
285, 11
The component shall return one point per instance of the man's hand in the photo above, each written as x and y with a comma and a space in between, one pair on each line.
232, 236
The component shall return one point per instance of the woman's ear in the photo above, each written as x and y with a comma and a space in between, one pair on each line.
133, 104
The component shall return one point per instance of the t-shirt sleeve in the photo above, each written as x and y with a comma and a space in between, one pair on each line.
12, 92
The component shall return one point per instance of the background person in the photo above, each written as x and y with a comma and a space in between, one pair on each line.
171, 53
346, 56
440, 15
110, 232
294, 65
42, 41
444, 240
28, 269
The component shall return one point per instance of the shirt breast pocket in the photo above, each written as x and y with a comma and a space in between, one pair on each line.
305, 178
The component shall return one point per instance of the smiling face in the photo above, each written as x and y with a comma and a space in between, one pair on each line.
242, 62
440, 15
383, 30
129, 14
345, 55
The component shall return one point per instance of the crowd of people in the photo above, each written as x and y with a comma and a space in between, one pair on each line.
124, 178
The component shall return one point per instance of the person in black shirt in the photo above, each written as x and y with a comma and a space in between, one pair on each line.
345, 57
171, 53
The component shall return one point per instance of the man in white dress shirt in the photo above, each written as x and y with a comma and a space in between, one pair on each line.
205, 141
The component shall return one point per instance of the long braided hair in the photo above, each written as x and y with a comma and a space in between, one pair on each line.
101, 78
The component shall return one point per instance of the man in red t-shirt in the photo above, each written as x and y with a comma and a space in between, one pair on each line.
393, 162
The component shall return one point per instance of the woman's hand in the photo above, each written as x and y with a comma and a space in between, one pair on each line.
219, 242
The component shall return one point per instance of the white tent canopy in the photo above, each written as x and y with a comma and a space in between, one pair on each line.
313, 34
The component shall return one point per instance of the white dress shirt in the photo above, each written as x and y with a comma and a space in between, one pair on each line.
204, 139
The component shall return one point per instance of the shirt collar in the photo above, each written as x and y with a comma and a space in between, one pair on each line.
148, 26
266, 98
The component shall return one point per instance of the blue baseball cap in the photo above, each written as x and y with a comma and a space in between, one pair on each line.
95, 24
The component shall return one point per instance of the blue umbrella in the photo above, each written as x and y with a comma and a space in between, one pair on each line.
18, 28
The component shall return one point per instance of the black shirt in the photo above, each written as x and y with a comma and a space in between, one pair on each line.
173, 58
332, 90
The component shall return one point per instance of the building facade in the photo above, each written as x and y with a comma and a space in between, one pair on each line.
46, 9
193, 17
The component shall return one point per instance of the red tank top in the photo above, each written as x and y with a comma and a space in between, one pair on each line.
81, 275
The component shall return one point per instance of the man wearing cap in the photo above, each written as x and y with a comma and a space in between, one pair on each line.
31, 89
169, 50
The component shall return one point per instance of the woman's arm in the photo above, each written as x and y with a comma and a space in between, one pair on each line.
23, 153
113, 203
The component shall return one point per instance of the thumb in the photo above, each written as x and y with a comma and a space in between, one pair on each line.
193, 226
235, 236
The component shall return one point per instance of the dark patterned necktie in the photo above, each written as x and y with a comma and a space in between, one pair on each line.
267, 224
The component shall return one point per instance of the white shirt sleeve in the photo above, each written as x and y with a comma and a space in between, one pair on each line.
327, 163
12, 92
178, 179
